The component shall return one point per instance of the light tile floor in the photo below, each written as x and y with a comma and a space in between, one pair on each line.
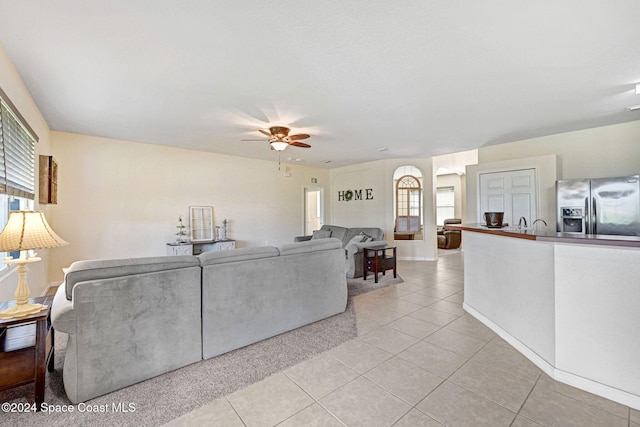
418, 360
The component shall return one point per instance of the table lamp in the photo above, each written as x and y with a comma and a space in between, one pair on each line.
25, 230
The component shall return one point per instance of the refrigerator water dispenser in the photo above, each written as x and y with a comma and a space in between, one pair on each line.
572, 220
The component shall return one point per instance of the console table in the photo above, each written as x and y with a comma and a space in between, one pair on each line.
26, 348
379, 260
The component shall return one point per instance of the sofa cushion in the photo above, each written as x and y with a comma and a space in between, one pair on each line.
337, 232
243, 254
310, 246
81, 271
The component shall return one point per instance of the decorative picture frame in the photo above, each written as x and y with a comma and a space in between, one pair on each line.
48, 180
201, 221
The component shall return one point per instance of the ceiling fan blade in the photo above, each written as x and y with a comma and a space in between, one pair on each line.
299, 144
265, 132
299, 136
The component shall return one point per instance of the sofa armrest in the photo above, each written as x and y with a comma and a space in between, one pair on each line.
354, 248
301, 238
63, 317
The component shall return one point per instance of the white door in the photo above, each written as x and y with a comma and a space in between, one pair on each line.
313, 210
512, 192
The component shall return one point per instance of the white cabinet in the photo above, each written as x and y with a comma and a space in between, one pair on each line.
196, 248
224, 245
219, 245
173, 250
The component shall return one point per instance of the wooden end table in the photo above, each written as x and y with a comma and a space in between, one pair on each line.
26, 348
379, 260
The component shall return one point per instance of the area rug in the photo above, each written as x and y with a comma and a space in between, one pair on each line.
163, 398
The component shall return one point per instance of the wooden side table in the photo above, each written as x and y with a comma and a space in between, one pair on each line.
379, 260
26, 348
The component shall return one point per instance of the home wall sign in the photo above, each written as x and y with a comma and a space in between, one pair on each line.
361, 194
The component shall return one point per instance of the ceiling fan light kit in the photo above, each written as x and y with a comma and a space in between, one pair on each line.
279, 138
279, 145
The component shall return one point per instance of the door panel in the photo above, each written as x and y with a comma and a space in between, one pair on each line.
512, 192
521, 207
494, 183
495, 203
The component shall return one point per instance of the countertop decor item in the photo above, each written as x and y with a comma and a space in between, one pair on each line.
26, 230
182, 233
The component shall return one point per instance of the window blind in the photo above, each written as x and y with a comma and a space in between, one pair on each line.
17, 159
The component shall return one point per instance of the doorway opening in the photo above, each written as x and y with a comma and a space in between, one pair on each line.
313, 209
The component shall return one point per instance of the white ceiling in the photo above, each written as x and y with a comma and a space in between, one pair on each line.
419, 77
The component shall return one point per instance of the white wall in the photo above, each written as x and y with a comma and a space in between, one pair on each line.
591, 153
379, 212
12, 85
598, 152
122, 199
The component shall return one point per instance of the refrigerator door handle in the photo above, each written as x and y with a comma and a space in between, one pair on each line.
587, 217
594, 223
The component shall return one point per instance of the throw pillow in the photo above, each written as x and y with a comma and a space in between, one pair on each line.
365, 237
355, 239
321, 234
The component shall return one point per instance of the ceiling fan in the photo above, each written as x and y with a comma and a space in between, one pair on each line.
279, 138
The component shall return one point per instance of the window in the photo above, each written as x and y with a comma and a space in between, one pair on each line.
445, 204
408, 205
17, 162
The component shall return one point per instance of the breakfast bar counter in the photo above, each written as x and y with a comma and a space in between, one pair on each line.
569, 303
546, 236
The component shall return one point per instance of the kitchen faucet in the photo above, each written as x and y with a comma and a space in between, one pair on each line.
543, 221
521, 220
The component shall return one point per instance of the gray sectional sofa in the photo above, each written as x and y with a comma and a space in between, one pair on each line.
354, 248
132, 319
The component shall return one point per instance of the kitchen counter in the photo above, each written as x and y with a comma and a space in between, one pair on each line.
549, 236
569, 303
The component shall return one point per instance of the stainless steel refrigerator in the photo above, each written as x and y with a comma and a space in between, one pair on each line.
599, 206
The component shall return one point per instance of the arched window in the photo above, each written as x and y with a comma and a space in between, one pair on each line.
408, 203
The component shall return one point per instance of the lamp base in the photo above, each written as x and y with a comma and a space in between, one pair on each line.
21, 310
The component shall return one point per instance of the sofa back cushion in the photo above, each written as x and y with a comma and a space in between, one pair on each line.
81, 271
320, 234
310, 246
336, 231
242, 254
374, 232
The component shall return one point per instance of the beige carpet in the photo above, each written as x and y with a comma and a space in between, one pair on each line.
168, 396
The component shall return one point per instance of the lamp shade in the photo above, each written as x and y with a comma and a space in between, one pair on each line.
28, 230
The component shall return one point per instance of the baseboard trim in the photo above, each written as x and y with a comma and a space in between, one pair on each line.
608, 392
50, 287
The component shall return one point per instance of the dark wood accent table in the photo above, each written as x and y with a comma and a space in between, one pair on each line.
26, 347
379, 260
